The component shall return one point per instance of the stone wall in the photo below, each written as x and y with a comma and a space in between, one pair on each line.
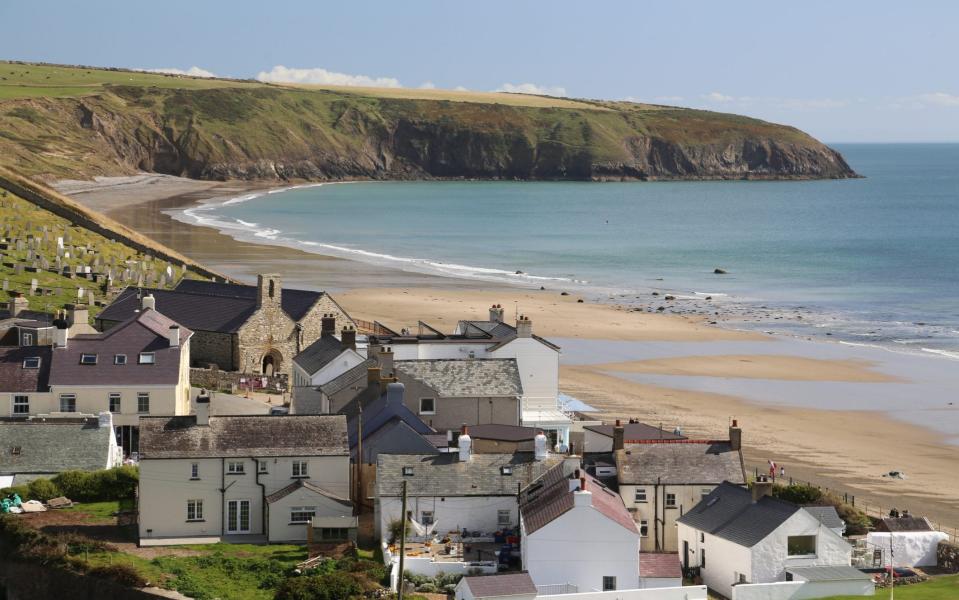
215, 379
212, 348
947, 557
269, 330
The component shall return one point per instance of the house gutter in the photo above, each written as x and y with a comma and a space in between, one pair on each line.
222, 497
264, 508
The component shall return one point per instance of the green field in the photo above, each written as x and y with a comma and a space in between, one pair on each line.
938, 588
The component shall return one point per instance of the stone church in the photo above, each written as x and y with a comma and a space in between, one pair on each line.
250, 329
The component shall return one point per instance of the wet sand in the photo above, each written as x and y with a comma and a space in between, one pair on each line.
841, 448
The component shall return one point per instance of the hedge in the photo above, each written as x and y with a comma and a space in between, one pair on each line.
118, 483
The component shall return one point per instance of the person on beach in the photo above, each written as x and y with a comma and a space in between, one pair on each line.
782, 472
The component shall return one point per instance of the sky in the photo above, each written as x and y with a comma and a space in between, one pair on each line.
844, 71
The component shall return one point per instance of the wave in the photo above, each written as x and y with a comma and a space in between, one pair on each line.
946, 353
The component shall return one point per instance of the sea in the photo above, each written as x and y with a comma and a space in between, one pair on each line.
872, 261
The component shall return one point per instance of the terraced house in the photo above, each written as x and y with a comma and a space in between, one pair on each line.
251, 329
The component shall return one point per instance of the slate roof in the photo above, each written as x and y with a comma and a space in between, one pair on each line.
295, 303
382, 410
459, 378
497, 586
636, 431
895, 524
503, 333
243, 436
834, 573
319, 354
444, 475
53, 445
551, 498
14, 378
728, 512
354, 377
660, 565
679, 462
196, 311
826, 515
304, 483
144, 332
503, 433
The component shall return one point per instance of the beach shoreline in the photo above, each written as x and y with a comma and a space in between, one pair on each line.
807, 440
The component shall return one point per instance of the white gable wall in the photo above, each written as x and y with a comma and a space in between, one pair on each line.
451, 513
581, 547
725, 560
770, 555
538, 367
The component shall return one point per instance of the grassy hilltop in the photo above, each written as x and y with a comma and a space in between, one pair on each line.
78, 122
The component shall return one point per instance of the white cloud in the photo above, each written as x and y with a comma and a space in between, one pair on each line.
281, 74
939, 99
427, 85
193, 71
717, 97
532, 88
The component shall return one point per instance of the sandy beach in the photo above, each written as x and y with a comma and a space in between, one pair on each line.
832, 444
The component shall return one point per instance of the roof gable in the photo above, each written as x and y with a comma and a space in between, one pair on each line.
308, 485
551, 498
320, 353
729, 512
498, 586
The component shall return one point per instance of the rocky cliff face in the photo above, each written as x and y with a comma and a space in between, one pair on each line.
296, 134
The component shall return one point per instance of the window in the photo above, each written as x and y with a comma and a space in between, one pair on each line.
194, 510
504, 518
427, 406
801, 545
195, 471
702, 558
609, 583
702, 537
334, 533
407, 471
506, 470
21, 405
670, 500
120, 359
299, 468
143, 402
68, 403
31, 362
27, 339
234, 468
644, 528
261, 466
639, 495
302, 514
704, 492
272, 288
88, 359
426, 517
114, 402
147, 358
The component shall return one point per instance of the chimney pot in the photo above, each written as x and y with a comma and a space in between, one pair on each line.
761, 487
735, 436
173, 336
619, 435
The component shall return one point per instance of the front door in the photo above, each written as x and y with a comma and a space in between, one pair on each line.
685, 557
238, 516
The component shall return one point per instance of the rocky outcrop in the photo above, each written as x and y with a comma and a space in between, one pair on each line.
286, 134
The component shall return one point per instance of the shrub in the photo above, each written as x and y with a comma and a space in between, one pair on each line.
121, 573
330, 586
798, 493
42, 489
92, 486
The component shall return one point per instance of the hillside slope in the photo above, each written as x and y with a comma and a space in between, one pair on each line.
77, 123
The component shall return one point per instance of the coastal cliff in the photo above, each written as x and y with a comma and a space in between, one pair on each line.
255, 131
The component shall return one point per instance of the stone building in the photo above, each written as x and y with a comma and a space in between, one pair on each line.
251, 329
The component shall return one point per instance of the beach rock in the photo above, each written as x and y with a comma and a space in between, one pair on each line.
719, 271
580, 300
661, 308
670, 297
564, 293
709, 297
655, 293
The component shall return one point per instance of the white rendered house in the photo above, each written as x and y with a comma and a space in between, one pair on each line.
321, 362
739, 536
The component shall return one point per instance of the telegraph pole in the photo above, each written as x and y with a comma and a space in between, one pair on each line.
402, 545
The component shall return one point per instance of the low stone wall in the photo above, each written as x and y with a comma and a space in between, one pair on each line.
215, 379
947, 557
28, 581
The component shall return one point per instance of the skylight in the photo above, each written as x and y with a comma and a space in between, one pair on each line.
506, 470
88, 359
120, 359
407, 471
147, 358
31, 362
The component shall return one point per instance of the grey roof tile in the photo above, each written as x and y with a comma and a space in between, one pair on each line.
636, 432
551, 497
826, 515
319, 354
296, 303
444, 474
679, 462
243, 436
15, 378
457, 378
729, 512
53, 445
303, 483
832, 573
498, 586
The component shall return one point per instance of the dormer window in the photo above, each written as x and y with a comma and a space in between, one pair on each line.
506, 470
407, 471
120, 359
147, 358
31, 362
88, 359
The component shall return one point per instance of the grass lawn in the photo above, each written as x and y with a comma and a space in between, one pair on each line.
939, 588
100, 511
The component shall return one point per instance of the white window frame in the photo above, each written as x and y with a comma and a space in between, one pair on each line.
301, 515
147, 358
27, 339
300, 469
194, 470
504, 517
703, 492
85, 358
23, 400
140, 397
428, 412
120, 359
636, 496
115, 396
666, 501
69, 397
235, 468
31, 359
261, 466
194, 506
815, 543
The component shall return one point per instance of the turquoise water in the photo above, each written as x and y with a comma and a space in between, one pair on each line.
874, 260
